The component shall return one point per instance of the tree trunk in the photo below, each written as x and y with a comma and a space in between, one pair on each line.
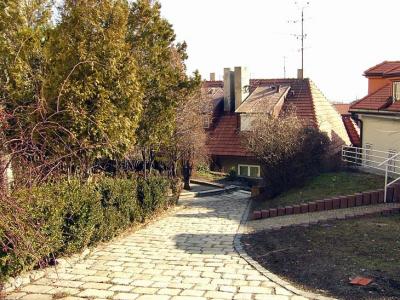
3, 175
187, 173
144, 163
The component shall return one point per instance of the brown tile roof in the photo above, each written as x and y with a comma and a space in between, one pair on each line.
342, 108
299, 97
224, 139
303, 97
352, 130
386, 68
210, 84
378, 100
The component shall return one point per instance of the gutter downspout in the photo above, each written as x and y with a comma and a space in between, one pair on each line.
355, 117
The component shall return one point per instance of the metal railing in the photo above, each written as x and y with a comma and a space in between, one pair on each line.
385, 161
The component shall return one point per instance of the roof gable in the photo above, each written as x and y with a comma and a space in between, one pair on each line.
384, 69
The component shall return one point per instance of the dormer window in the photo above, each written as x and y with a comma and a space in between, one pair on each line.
396, 90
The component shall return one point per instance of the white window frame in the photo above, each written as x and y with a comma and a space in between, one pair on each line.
396, 90
248, 170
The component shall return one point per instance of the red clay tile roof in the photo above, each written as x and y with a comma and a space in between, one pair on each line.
299, 97
342, 108
386, 68
378, 100
224, 139
352, 130
211, 84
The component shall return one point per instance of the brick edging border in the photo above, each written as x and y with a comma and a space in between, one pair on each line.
339, 202
237, 245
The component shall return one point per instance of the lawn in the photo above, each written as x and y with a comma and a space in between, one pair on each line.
324, 186
323, 257
209, 176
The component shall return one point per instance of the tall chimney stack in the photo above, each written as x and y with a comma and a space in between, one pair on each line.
242, 81
212, 76
300, 74
229, 90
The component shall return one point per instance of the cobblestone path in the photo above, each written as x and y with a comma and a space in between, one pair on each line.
186, 255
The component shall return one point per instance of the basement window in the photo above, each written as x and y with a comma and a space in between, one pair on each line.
249, 171
396, 91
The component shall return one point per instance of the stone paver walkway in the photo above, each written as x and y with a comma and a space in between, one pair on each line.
186, 255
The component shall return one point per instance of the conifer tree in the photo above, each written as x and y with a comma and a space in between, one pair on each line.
93, 83
152, 39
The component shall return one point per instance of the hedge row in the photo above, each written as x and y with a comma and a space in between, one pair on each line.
64, 218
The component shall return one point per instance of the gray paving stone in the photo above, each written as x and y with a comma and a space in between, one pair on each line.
186, 255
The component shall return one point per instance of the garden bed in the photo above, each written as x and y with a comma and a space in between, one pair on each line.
324, 257
321, 187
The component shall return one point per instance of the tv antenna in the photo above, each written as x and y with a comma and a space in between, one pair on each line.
303, 35
284, 67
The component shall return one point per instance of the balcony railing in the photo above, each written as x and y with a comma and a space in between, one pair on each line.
385, 161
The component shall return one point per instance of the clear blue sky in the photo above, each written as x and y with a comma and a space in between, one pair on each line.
344, 38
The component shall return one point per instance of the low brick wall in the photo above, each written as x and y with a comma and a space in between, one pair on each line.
359, 199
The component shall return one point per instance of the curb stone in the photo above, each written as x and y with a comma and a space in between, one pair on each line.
14, 283
237, 245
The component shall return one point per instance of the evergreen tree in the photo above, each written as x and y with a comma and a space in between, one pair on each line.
24, 27
162, 78
93, 85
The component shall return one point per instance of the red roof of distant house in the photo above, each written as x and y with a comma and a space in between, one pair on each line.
224, 138
299, 97
342, 108
215, 84
384, 69
352, 130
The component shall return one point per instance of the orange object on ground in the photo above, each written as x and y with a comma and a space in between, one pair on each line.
361, 281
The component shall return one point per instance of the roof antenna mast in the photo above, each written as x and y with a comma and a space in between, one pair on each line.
284, 67
303, 35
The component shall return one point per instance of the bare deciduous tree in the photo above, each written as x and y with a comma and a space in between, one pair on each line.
289, 151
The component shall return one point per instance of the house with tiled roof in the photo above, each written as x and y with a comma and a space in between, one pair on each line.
237, 100
379, 112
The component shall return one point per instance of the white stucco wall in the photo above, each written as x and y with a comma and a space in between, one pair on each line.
383, 133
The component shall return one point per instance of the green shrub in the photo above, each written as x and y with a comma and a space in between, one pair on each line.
83, 215
119, 205
232, 174
66, 217
152, 193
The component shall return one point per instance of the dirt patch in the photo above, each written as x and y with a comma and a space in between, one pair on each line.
324, 257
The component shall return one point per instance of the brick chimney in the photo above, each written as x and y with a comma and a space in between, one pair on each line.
242, 82
229, 91
212, 76
300, 74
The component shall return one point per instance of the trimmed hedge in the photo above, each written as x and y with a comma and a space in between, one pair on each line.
65, 217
